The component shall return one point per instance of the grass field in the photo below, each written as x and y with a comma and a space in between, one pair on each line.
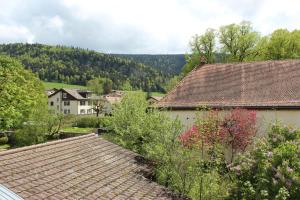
50, 85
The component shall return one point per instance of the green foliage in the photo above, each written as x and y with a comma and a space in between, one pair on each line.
201, 46
90, 122
238, 41
96, 85
3, 140
51, 85
22, 96
77, 66
282, 44
271, 169
155, 136
126, 86
172, 83
168, 64
129, 120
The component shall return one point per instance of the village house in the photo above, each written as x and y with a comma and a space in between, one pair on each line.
154, 99
81, 102
272, 88
84, 167
71, 101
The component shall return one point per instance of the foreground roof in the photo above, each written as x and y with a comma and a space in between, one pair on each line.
84, 167
264, 84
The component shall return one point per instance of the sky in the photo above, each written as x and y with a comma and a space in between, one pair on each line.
136, 26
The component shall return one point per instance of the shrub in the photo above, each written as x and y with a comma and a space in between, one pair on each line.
271, 169
91, 122
28, 135
3, 140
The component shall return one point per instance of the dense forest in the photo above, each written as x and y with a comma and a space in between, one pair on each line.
168, 63
77, 66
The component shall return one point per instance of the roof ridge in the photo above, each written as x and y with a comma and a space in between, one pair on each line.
26, 148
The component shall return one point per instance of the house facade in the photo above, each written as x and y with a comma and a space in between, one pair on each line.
71, 101
271, 88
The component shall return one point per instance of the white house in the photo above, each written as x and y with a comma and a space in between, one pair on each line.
272, 88
72, 101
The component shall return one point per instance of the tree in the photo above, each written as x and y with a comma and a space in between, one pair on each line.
238, 41
22, 96
107, 86
96, 85
172, 83
126, 86
100, 85
201, 46
283, 44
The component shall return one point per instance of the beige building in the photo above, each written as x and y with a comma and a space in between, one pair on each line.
272, 88
71, 101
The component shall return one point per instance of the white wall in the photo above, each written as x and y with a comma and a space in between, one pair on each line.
56, 104
74, 106
264, 118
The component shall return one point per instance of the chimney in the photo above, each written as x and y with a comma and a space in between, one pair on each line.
203, 61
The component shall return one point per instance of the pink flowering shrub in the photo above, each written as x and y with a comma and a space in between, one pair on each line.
206, 130
235, 131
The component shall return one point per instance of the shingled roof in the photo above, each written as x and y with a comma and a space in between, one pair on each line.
84, 167
264, 84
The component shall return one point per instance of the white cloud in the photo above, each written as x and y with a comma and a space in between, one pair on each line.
15, 34
141, 26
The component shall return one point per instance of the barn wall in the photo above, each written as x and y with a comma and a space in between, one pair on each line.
264, 117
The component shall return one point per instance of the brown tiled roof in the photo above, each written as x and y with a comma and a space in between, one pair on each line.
73, 92
264, 84
84, 167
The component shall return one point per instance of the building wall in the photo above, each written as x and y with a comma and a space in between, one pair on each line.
56, 99
264, 118
74, 107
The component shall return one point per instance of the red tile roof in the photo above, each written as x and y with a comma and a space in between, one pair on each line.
264, 84
84, 167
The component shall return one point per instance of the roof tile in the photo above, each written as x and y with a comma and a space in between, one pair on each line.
85, 167
248, 84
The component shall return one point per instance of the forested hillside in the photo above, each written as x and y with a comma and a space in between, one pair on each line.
169, 63
77, 66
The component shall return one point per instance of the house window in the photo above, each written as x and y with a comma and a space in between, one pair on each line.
51, 103
82, 111
89, 111
90, 103
64, 95
57, 107
57, 99
82, 103
66, 103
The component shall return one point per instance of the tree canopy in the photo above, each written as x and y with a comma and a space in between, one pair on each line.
77, 66
239, 43
21, 94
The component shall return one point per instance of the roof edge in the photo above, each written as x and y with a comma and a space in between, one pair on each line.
193, 107
16, 150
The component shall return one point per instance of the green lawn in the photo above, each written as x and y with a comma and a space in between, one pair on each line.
50, 85
78, 130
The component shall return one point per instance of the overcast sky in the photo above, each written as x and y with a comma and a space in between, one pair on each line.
136, 26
